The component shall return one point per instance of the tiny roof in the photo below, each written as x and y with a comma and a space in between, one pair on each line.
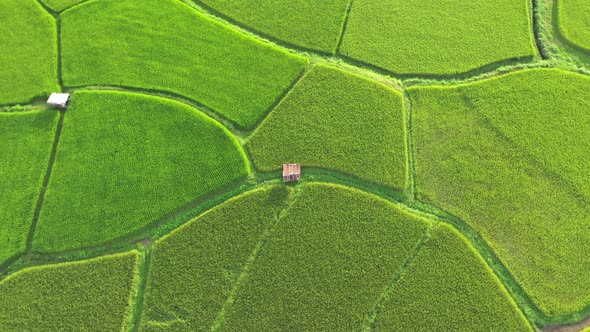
58, 99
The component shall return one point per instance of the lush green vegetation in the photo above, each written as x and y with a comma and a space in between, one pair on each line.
125, 160
336, 120
326, 264
194, 269
28, 49
25, 144
81, 296
438, 37
448, 287
59, 5
574, 21
311, 24
507, 156
168, 46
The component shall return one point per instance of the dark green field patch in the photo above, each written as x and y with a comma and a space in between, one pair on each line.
81, 296
326, 264
26, 140
194, 269
124, 161
28, 51
311, 24
340, 121
166, 45
574, 21
509, 156
445, 37
449, 287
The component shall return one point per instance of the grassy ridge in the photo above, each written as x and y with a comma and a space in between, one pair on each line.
505, 155
166, 45
194, 268
310, 24
336, 120
125, 160
28, 39
80, 296
438, 37
26, 140
326, 264
574, 21
449, 287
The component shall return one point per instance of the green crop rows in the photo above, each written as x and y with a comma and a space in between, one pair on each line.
574, 21
444, 149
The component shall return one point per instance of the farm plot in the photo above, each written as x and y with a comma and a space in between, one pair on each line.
438, 37
165, 45
26, 140
449, 287
326, 264
574, 21
80, 296
340, 121
125, 160
194, 269
508, 155
315, 25
28, 39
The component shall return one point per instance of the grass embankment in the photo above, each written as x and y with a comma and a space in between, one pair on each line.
59, 5
574, 21
194, 269
448, 287
336, 120
165, 45
80, 296
438, 37
315, 25
26, 140
126, 160
28, 39
508, 155
326, 264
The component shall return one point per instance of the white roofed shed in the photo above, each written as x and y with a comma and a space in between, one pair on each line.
58, 99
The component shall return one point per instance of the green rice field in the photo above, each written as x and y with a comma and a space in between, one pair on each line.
440, 177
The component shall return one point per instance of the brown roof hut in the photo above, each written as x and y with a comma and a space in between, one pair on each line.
291, 172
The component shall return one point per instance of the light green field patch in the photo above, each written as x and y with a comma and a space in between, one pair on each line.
336, 120
574, 21
326, 264
416, 37
194, 269
311, 24
508, 155
80, 296
166, 45
28, 51
125, 160
25, 147
449, 287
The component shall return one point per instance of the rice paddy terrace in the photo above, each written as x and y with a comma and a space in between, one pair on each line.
444, 148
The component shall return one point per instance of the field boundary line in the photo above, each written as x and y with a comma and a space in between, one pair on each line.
248, 266
409, 138
571, 48
344, 26
47, 9
137, 299
279, 100
210, 113
73, 6
371, 321
535, 26
46, 178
